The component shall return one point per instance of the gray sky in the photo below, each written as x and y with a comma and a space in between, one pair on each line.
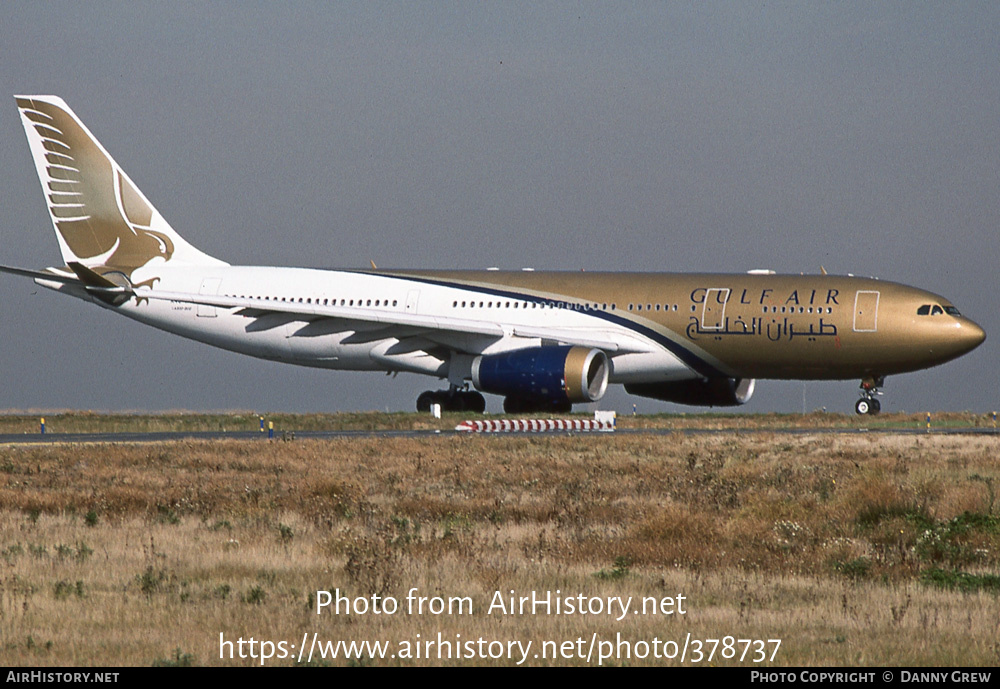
864, 137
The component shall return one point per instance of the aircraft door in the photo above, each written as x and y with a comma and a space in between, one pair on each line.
713, 315
866, 311
209, 288
412, 297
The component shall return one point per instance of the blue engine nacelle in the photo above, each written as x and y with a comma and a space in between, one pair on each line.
561, 374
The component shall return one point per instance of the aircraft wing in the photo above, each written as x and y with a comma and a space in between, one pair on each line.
81, 277
446, 330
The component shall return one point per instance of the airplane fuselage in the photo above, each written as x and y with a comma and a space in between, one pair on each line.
680, 326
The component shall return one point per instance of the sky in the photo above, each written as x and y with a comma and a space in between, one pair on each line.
721, 137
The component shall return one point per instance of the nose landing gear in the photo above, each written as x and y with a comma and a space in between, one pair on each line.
869, 404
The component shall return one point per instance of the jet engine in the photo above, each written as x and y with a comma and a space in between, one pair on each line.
543, 376
707, 392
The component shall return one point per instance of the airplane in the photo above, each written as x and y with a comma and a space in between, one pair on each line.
544, 341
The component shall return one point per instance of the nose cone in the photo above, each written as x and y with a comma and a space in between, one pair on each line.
970, 336
950, 338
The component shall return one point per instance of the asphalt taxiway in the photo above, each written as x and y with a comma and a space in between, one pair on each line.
291, 434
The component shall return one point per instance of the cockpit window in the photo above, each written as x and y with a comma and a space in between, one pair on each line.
936, 310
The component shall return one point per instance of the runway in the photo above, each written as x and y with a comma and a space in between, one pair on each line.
291, 434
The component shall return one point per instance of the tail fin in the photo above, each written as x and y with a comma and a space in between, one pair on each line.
100, 217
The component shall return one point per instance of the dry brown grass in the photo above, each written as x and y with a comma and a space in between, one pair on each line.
129, 554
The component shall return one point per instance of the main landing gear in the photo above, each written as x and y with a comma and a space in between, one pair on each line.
452, 399
521, 405
869, 404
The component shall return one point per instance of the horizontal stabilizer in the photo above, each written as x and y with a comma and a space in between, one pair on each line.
89, 277
101, 287
40, 275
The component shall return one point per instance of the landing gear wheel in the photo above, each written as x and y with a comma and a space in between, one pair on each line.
522, 405
513, 405
452, 400
869, 404
563, 407
474, 402
425, 400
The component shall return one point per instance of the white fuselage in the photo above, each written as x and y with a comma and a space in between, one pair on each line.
370, 346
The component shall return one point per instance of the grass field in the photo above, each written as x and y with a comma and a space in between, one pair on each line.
874, 549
